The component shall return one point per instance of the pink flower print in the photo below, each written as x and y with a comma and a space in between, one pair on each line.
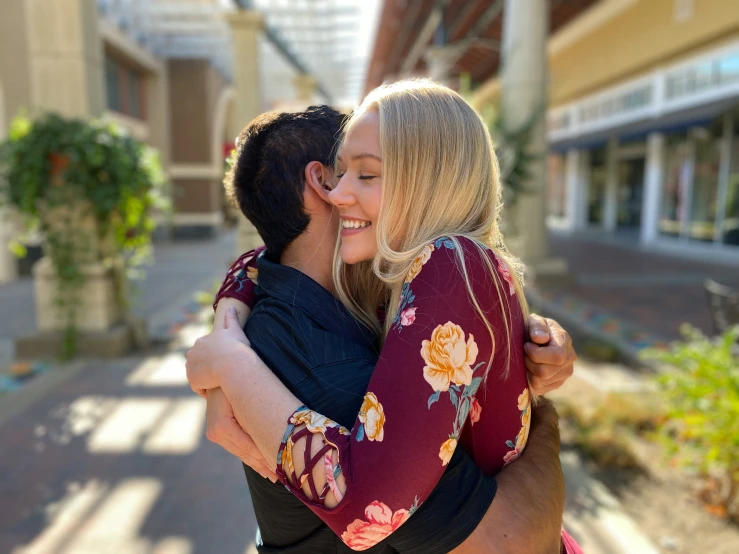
408, 317
504, 271
475, 411
511, 456
381, 522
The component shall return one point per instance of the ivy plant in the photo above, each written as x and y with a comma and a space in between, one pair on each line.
79, 171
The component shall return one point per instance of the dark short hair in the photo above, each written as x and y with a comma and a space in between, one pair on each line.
267, 177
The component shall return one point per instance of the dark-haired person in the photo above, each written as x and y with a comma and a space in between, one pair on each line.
281, 179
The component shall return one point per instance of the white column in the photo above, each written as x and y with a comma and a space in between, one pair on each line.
305, 88
583, 198
654, 172
610, 213
246, 28
572, 189
524, 95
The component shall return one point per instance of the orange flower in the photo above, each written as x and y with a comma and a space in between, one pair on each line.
419, 262
447, 449
448, 358
372, 417
381, 522
524, 401
523, 435
253, 274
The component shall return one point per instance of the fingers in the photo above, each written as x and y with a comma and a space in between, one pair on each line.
546, 378
538, 329
551, 354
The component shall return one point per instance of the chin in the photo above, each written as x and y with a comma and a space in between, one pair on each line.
352, 255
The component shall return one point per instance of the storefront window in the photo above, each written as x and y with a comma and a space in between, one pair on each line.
556, 185
678, 175
597, 186
703, 205
731, 221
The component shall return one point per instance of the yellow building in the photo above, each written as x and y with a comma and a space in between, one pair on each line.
643, 123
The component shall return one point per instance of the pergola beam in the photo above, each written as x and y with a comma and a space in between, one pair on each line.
283, 48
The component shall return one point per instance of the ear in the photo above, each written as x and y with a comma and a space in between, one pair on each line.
317, 177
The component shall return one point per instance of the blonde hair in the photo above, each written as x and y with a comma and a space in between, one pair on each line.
440, 178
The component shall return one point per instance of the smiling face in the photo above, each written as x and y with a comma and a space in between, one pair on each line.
358, 192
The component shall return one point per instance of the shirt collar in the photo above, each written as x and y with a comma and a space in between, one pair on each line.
295, 288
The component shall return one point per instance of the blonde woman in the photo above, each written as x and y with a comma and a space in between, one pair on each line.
419, 196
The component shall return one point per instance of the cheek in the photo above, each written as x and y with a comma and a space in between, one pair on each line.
374, 198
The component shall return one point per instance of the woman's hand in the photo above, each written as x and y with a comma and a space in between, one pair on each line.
213, 352
550, 357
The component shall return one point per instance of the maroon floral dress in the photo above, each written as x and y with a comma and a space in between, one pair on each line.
441, 382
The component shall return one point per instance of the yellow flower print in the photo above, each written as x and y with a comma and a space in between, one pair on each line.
252, 274
372, 417
524, 401
448, 358
287, 458
419, 262
315, 423
523, 434
447, 449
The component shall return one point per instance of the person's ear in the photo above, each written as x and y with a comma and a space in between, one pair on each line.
318, 178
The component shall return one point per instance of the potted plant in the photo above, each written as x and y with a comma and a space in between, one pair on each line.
90, 189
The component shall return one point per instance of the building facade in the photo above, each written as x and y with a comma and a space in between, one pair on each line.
643, 124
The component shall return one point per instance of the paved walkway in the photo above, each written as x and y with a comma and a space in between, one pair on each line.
640, 296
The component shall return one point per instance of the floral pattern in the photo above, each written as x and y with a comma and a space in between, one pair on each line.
380, 522
448, 357
252, 273
419, 262
372, 418
524, 406
439, 341
448, 368
505, 272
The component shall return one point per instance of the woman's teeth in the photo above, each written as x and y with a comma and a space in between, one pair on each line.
349, 224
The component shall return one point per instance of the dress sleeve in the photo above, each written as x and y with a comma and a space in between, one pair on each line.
418, 400
241, 280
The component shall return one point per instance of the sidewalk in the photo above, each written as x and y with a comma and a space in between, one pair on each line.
633, 297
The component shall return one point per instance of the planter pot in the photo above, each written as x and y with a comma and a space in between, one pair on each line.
97, 307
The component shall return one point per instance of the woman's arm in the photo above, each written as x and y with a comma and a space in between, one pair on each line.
420, 395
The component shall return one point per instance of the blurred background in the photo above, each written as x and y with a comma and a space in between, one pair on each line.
616, 124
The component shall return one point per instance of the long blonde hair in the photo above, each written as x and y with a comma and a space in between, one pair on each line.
440, 178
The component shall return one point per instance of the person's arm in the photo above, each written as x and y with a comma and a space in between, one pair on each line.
526, 515
383, 469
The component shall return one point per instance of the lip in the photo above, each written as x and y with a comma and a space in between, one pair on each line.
349, 232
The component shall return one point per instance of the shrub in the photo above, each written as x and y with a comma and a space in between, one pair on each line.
702, 399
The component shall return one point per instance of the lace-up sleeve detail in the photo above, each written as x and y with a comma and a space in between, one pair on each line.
241, 280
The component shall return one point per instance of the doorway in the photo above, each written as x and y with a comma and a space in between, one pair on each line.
630, 194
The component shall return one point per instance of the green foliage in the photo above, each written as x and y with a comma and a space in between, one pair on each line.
93, 169
702, 396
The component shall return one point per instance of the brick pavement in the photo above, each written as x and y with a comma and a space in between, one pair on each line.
115, 460
653, 292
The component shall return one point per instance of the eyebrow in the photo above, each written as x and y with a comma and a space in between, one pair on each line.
361, 157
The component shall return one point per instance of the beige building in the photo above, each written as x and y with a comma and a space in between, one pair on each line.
184, 76
643, 124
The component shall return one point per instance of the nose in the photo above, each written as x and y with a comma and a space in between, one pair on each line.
343, 194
